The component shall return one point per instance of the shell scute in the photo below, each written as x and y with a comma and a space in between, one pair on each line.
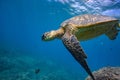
88, 20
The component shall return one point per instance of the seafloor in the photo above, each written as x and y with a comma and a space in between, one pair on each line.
15, 66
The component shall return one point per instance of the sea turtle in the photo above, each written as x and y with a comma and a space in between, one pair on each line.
80, 28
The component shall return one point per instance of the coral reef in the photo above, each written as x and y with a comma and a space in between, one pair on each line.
107, 73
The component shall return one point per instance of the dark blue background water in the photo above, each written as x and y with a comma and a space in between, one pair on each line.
22, 23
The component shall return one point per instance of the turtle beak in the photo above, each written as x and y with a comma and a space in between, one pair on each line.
43, 37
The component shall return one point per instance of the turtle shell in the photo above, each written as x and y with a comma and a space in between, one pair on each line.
89, 26
88, 20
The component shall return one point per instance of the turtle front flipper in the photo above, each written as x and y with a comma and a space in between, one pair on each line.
72, 44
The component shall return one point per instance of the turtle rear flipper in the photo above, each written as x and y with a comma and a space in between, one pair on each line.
112, 34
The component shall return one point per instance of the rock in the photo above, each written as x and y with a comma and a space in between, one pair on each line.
106, 73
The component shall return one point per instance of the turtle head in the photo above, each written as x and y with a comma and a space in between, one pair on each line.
53, 34
49, 36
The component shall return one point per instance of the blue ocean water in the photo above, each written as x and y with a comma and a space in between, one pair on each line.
23, 22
